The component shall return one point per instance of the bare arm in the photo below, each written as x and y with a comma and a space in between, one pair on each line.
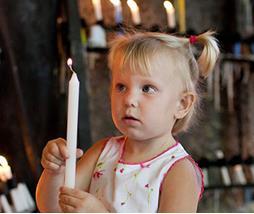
47, 191
180, 189
53, 159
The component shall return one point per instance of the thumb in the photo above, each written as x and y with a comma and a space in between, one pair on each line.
79, 153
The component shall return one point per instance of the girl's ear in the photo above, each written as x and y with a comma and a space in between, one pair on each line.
185, 103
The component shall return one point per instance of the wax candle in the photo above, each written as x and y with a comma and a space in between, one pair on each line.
27, 198
97, 9
134, 12
118, 11
72, 127
224, 171
17, 200
170, 14
205, 173
6, 207
181, 18
239, 174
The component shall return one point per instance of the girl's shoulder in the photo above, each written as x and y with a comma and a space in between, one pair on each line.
184, 184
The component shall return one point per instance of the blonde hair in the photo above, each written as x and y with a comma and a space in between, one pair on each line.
137, 52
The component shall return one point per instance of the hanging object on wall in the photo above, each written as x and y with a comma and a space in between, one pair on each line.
118, 11
97, 9
228, 81
214, 85
239, 177
224, 171
97, 36
134, 12
244, 17
182, 16
247, 111
170, 14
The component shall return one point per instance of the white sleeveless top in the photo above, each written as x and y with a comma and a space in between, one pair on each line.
134, 187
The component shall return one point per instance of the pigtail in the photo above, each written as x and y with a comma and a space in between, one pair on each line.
210, 52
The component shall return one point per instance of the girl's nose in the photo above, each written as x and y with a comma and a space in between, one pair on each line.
131, 99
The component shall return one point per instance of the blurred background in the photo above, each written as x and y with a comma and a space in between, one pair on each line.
36, 39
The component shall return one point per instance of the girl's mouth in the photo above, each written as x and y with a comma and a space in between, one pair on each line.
130, 120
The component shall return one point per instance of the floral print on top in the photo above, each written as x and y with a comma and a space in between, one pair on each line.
133, 187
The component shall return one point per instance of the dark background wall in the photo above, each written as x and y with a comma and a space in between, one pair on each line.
28, 57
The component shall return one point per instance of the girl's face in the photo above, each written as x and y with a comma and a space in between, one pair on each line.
143, 107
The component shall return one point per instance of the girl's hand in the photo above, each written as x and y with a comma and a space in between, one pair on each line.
74, 200
54, 155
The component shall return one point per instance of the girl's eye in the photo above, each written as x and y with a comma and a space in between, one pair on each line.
149, 89
120, 87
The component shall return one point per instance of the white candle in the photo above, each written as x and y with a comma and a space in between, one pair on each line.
6, 207
134, 12
97, 9
118, 11
205, 173
170, 14
224, 171
72, 127
17, 200
27, 198
225, 176
239, 174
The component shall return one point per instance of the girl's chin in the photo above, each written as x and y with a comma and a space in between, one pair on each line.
133, 135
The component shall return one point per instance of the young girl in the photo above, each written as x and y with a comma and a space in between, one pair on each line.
153, 97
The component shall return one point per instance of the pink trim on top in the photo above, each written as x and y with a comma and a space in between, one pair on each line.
195, 165
104, 144
142, 162
106, 141
122, 140
202, 176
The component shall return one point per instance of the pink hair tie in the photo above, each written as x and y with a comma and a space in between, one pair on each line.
193, 39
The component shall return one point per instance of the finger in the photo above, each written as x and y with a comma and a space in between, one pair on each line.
70, 200
79, 153
51, 158
49, 165
53, 148
66, 208
73, 192
63, 148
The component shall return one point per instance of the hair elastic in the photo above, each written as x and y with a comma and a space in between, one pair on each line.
193, 39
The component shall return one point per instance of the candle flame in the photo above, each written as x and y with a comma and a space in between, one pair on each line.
3, 161
69, 62
133, 5
115, 2
5, 169
168, 5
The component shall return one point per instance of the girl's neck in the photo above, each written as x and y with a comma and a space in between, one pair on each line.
138, 151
